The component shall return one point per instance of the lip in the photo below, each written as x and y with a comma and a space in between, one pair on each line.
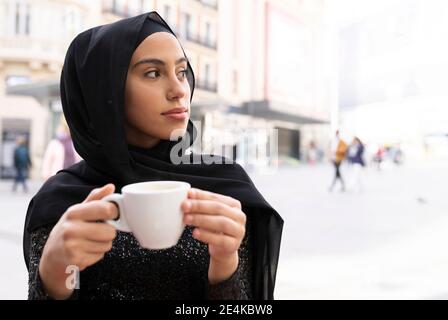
176, 113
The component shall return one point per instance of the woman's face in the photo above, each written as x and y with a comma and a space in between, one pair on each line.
157, 96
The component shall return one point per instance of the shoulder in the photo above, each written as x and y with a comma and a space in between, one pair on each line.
60, 191
54, 197
57, 181
231, 169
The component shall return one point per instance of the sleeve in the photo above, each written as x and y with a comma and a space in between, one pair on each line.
239, 285
35, 286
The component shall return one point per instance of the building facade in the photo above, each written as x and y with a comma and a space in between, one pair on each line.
34, 36
256, 65
275, 72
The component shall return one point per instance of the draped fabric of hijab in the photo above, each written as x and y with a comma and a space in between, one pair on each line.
92, 92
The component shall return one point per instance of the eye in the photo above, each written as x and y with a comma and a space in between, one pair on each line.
183, 73
152, 74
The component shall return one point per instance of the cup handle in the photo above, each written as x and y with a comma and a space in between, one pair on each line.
121, 223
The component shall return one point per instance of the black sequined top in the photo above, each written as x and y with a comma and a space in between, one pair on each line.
130, 272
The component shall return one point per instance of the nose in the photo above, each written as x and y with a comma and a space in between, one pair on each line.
176, 89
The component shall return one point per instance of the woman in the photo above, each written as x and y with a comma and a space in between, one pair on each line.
338, 150
118, 85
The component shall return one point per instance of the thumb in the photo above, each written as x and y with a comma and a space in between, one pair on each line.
99, 193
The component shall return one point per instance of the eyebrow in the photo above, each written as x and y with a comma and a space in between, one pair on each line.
158, 61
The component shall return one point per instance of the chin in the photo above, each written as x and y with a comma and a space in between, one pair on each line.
175, 132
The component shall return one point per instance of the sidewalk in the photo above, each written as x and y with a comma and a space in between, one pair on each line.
13, 206
388, 242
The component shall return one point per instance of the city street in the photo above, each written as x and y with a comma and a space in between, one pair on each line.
386, 242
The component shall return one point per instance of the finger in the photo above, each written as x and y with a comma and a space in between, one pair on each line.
199, 194
101, 232
217, 224
94, 247
221, 241
94, 210
213, 207
99, 193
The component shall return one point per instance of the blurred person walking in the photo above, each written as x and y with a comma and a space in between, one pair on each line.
338, 151
356, 159
379, 157
22, 163
60, 152
312, 155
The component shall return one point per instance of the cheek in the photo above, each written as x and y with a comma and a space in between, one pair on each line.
141, 100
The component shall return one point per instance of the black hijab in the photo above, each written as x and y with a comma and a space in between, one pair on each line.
92, 92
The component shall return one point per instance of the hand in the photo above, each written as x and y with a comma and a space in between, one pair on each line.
77, 239
220, 223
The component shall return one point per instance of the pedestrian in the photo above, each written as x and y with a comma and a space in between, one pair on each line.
313, 155
378, 157
338, 150
60, 152
125, 88
356, 159
22, 163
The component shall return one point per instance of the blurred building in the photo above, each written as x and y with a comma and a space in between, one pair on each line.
273, 74
34, 36
257, 66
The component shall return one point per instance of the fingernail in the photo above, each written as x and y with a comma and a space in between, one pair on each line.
187, 205
188, 218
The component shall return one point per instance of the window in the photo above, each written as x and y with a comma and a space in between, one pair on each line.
207, 32
207, 74
22, 18
17, 19
188, 32
27, 19
167, 13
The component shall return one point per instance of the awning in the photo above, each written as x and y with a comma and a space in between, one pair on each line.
263, 109
42, 91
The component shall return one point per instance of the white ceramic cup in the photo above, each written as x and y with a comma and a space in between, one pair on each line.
151, 211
